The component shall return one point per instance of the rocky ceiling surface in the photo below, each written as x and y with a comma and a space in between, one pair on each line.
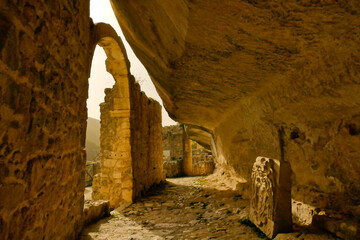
205, 57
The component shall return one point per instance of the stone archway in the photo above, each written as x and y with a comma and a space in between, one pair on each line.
115, 181
125, 172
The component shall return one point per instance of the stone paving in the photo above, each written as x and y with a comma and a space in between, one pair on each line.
184, 208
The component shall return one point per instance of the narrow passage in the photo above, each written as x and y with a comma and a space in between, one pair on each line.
184, 208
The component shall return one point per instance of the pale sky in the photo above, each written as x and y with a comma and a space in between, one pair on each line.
101, 11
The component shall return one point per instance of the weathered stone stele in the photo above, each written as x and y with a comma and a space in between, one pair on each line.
270, 204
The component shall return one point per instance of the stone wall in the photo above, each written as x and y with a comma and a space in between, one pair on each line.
172, 141
202, 160
44, 69
146, 140
182, 161
173, 168
173, 151
115, 182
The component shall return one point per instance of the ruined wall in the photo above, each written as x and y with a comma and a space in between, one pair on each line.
196, 161
130, 135
115, 182
146, 140
202, 160
172, 141
44, 67
173, 151
181, 160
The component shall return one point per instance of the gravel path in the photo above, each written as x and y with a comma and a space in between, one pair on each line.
184, 208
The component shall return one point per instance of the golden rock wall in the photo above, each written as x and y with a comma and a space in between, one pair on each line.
44, 67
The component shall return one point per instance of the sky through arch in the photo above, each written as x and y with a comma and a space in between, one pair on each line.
101, 11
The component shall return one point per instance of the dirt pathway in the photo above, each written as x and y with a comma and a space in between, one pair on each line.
184, 208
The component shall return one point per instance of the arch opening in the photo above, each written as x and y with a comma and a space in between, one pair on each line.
115, 181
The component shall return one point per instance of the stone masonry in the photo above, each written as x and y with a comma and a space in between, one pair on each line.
202, 160
172, 141
146, 140
115, 181
130, 138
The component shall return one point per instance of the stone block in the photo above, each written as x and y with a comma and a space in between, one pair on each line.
270, 203
124, 132
127, 195
127, 184
109, 154
121, 103
122, 82
120, 113
123, 164
123, 123
122, 140
123, 151
109, 163
94, 210
117, 175
173, 168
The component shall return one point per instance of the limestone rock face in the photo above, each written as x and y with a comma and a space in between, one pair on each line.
271, 78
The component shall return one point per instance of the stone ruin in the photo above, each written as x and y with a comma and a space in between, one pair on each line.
202, 160
182, 156
270, 202
130, 132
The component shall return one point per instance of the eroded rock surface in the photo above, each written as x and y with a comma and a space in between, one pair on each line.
44, 68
